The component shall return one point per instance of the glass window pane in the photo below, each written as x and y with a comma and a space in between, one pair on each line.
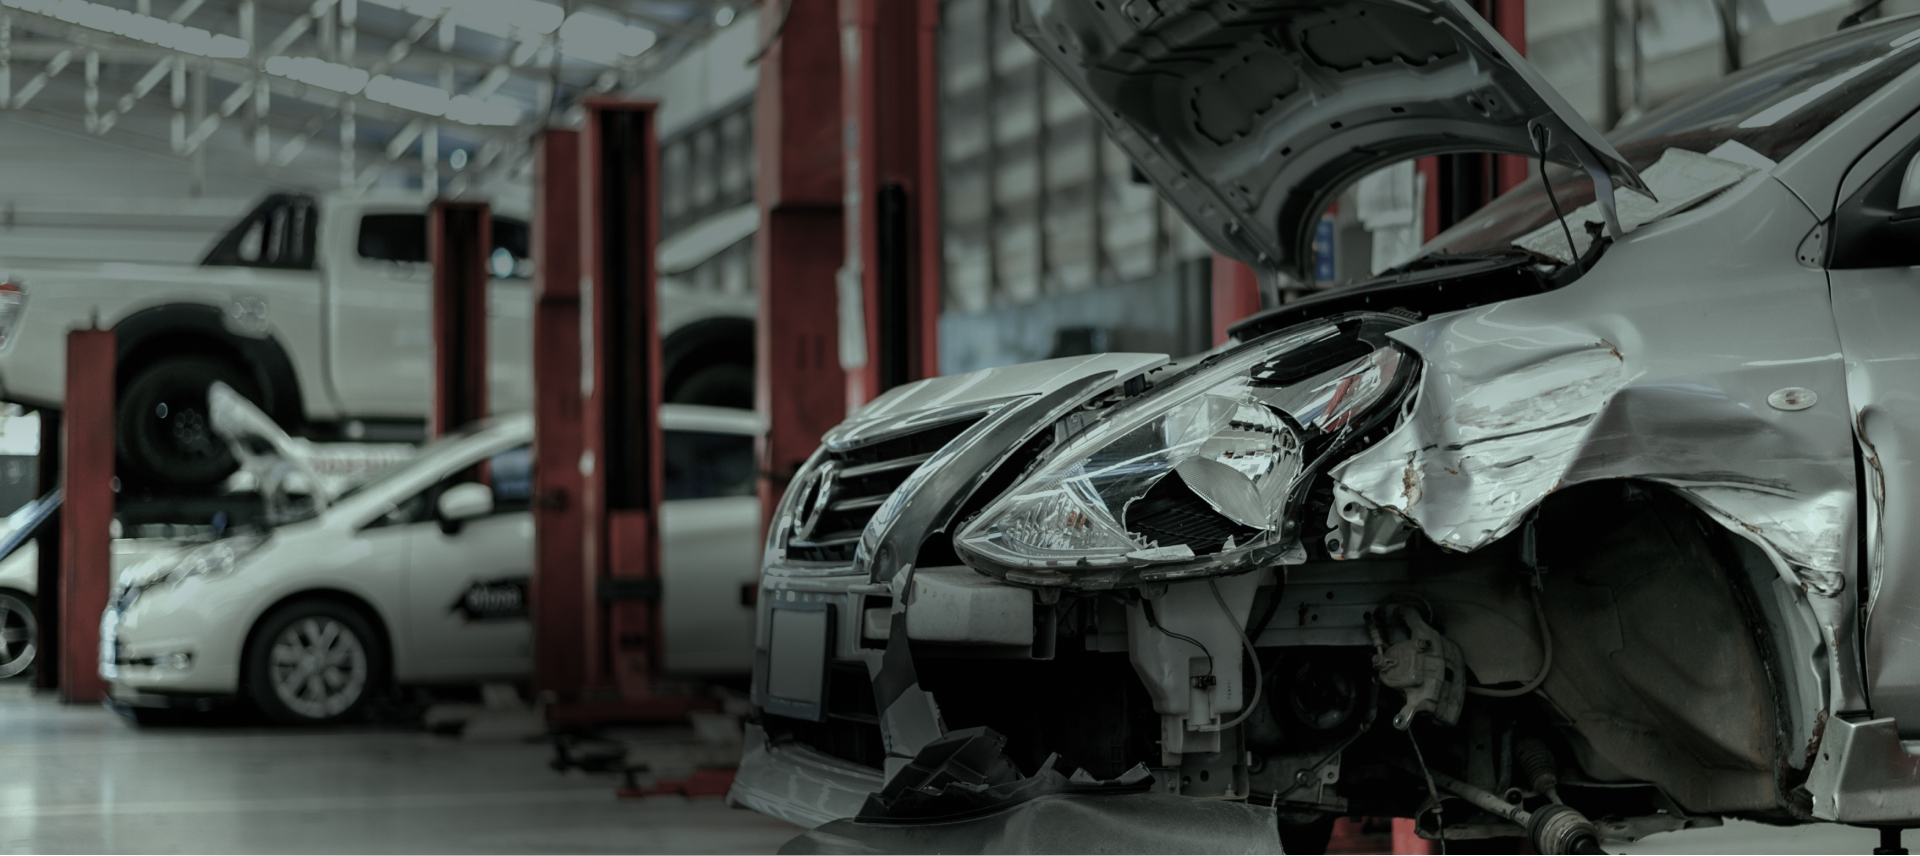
705, 464
393, 237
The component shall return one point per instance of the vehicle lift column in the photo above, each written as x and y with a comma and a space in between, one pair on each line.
891, 102
799, 385
561, 596
621, 458
86, 514
459, 237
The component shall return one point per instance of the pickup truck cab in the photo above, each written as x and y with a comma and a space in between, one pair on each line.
317, 308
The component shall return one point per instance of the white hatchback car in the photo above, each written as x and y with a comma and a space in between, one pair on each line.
420, 577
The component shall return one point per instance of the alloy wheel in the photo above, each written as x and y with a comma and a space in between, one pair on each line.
16, 636
318, 667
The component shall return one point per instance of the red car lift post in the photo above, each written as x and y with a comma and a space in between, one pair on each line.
459, 237
800, 386
621, 461
1460, 184
86, 513
1236, 294
561, 596
891, 102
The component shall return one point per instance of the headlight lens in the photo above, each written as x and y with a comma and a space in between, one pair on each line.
13, 300
1195, 479
211, 559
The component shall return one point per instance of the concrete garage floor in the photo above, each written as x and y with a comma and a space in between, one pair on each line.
79, 779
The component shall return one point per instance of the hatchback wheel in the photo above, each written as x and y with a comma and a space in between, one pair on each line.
17, 629
313, 662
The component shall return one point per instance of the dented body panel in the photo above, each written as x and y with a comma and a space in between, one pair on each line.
1615, 518
1646, 369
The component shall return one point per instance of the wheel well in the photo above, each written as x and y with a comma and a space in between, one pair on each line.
699, 344
18, 593
198, 330
343, 598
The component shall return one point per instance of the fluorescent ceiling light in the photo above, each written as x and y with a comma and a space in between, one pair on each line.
318, 72
133, 25
408, 95
474, 111
503, 18
601, 39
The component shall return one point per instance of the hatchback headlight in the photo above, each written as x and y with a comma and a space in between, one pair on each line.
13, 301
1198, 478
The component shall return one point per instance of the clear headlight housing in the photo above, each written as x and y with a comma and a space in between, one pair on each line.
211, 559
13, 301
1197, 478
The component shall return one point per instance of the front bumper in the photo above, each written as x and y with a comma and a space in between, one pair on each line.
797, 784
162, 642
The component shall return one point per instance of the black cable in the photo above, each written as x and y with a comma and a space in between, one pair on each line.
1373, 707
1539, 134
1146, 606
1439, 821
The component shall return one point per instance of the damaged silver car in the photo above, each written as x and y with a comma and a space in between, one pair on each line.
1586, 524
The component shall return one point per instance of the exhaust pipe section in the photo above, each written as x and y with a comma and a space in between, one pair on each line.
1555, 828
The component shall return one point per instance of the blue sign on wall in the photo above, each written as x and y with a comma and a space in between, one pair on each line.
1323, 250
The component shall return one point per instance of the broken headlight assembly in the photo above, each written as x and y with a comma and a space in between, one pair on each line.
1201, 476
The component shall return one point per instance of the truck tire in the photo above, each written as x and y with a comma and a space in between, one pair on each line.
314, 661
162, 430
723, 385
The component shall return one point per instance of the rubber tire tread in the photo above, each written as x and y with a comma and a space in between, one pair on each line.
145, 388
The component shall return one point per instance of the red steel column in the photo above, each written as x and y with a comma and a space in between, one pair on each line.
891, 103
1236, 294
86, 512
1509, 17
622, 461
562, 595
801, 388
459, 237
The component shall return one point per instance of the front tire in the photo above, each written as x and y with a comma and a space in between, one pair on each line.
18, 628
163, 428
314, 662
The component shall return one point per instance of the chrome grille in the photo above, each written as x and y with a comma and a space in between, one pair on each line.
840, 496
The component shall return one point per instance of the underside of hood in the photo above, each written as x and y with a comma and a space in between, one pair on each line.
1252, 115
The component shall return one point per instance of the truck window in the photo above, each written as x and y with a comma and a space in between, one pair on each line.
393, 237
707, 464
403, 238
278, 234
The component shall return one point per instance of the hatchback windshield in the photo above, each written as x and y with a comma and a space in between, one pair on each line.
1773, 108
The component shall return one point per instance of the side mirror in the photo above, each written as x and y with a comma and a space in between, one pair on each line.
1907, 207
465, 501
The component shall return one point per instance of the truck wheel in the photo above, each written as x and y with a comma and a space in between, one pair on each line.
162, 427
723, 385
16, 633
313, 662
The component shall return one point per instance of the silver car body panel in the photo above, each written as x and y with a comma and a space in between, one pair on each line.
1644, 369
1874, 310
1250, 117
797, 784
1816, 171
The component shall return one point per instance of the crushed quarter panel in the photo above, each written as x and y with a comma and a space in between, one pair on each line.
1657, 365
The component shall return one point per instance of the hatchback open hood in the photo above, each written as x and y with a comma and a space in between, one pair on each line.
1251, 115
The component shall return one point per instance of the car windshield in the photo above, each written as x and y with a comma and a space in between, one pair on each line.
1773, 108
431, 456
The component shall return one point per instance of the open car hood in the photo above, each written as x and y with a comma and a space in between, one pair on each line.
1251, 115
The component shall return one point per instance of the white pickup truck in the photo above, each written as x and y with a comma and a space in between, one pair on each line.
316, 308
